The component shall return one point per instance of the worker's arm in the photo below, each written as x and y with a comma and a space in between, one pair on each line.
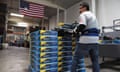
82, 24
79, 28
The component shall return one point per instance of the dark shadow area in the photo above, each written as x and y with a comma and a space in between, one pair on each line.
26, 70
113, 65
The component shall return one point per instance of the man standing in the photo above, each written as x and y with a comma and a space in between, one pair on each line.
88, 40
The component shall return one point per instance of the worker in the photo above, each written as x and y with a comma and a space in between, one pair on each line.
88, 40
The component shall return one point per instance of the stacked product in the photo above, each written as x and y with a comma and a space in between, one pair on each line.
66, 46
44, 51
64, 53
81, 64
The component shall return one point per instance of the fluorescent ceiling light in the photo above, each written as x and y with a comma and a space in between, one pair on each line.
18, 15
108, 30
22, 24
117, 28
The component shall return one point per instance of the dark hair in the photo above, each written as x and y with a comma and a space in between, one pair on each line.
85, 4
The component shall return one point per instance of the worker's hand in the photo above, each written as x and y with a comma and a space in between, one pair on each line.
68, 31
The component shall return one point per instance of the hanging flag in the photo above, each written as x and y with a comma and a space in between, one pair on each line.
31, 9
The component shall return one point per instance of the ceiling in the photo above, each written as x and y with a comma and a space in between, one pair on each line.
49, 11
13, 6
65, 3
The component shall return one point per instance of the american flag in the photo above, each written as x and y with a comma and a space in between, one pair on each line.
31, 9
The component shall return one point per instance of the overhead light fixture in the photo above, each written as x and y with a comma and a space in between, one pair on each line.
17, 15
108, 30
22, 24
117, 28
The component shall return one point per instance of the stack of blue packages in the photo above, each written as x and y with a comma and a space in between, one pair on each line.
44, 51
64, 53
116, 41
81, 64
66, 47
53, 53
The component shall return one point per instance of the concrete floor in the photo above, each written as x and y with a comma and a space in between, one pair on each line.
109, 65
16, 59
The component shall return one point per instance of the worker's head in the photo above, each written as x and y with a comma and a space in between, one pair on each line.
84, 7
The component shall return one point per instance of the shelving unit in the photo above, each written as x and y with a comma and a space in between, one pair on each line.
111, 48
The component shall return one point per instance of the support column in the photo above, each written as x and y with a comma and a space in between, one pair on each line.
57, 21
65, 16
93, 2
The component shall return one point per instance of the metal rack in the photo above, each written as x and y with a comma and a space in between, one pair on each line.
111, 48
